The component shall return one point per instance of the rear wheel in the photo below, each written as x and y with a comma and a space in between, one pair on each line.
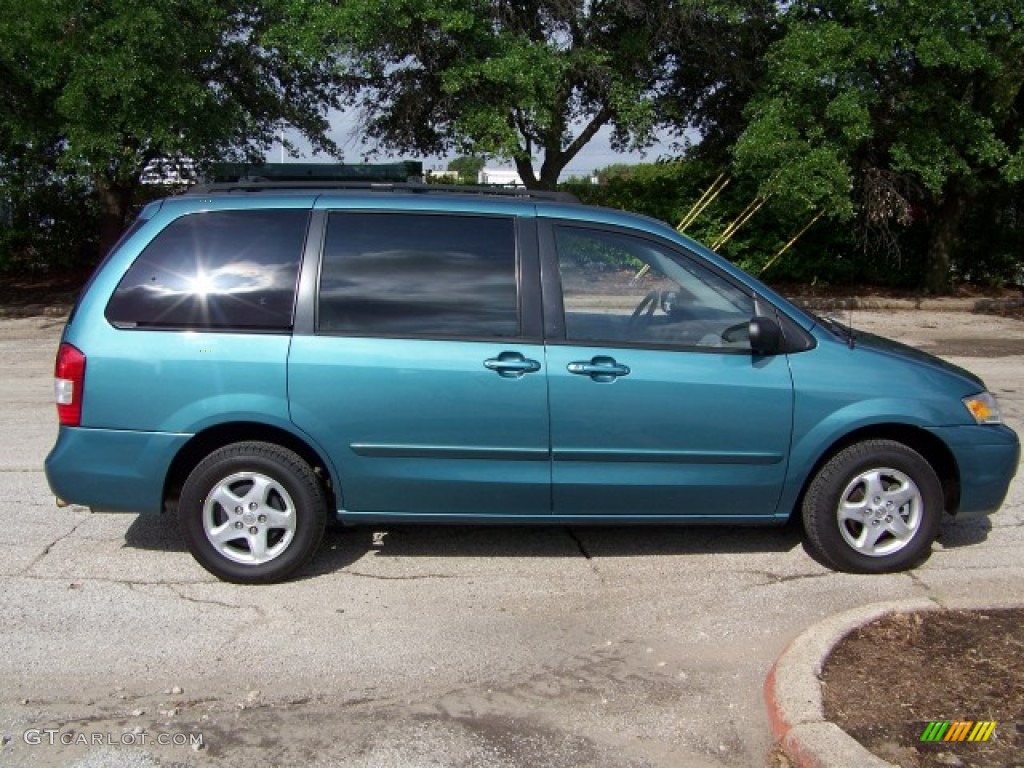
252, 512
875, 507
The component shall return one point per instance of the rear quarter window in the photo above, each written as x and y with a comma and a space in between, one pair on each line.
228, 270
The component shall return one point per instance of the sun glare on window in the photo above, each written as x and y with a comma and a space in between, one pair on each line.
201, 284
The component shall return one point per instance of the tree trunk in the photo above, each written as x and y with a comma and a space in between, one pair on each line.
115, 204
549, 172
555, 157
524, 166
943, 240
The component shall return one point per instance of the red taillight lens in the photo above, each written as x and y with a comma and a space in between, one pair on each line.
69, 384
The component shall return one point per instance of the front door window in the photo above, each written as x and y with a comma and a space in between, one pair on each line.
620, 289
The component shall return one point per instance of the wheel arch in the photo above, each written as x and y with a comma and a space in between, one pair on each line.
208, 440
931, 448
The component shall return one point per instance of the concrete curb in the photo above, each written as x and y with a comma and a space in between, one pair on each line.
35, 310
792, 689
825, 304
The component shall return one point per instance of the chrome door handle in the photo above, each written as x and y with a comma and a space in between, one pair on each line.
511, 365
599, 368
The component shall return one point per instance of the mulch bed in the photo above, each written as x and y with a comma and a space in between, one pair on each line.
886, 681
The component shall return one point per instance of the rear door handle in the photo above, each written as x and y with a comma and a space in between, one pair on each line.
511, 365
599, 368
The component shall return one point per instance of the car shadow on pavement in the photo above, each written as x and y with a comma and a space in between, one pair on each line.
344, 544
160, 533
156, 532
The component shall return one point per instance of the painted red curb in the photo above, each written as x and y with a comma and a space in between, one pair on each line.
779, 725
786, 736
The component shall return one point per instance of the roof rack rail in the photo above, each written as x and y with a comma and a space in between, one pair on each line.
404, 170
257, 184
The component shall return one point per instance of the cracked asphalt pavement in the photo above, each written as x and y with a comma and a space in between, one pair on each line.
423, 646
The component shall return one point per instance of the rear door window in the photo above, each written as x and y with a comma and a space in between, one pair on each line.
227, 270
419, 275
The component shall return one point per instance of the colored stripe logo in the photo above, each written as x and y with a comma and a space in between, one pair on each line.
958, 730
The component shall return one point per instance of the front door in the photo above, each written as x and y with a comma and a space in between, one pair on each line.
658, 405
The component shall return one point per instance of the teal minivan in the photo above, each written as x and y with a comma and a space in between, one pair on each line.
260, 356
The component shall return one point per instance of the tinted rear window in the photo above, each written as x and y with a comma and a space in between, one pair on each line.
419, 275
218, 269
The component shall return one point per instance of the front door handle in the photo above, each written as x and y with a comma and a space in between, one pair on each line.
511, 365
599, 368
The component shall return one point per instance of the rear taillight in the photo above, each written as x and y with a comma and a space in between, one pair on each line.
69, 384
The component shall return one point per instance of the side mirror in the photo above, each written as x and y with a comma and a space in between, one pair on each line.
765, 336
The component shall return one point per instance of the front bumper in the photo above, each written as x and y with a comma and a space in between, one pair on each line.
112, 470
988, 457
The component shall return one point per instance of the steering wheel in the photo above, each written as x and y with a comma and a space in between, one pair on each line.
645, 309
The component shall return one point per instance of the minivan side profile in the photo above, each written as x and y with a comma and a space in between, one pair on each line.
262, 356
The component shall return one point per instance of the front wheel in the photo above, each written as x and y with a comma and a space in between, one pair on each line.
874, 507
252, 512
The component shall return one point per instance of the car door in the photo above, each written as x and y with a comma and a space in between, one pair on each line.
658, 405
424, 377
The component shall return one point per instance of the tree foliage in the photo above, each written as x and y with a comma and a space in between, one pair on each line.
467, 166
669, 191
515, 80
892, 113
716, 62
96, 90
903, 121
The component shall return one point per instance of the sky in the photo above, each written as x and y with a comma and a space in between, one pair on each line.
595, 155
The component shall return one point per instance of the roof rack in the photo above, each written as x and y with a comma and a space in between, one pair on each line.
404, 170
258, 184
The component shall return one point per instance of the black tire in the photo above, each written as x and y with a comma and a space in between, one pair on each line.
276, 524
895, 471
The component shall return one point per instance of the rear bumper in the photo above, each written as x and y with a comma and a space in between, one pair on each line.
988, 457
112, 470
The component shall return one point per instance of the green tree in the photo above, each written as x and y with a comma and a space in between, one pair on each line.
717, 61
660, 190
892, 112
695, 193
467, 166
98, 90
513, 80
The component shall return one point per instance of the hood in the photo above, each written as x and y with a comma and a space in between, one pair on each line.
903, 351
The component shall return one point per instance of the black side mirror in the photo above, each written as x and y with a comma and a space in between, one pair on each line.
765, 336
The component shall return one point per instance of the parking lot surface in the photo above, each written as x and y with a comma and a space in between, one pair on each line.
429, 646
